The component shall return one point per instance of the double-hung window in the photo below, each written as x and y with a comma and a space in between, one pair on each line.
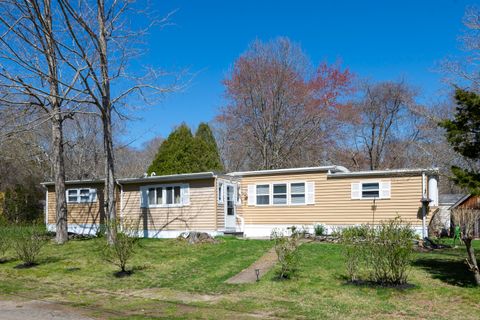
82, 195
280, 193
370, 190
297, 193
263, 194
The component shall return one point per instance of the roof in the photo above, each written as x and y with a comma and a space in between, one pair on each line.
170, 177
377, 173
449, 198
460, 201
290, 170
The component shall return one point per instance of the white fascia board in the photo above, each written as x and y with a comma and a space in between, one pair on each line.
393, 172
289, 170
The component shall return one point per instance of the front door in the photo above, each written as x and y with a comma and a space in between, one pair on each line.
230, 220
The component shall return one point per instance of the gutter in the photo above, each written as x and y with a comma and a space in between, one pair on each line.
376, 173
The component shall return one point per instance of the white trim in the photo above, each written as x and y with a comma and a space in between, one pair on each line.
46, 207
289, 194
383, 172
92, 195
360, 191
220, 192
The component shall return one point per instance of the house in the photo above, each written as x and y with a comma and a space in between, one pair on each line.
469, 201
254, 202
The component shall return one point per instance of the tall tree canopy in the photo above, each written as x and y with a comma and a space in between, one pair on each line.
463, 133
281, 111
181, 152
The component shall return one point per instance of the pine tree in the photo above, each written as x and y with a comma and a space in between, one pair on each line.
463, 133
207, 150
181, 152
176, 154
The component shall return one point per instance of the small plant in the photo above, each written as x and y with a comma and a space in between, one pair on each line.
123, 247
27, 241
353, 240
319, 230
287, 254
4, 240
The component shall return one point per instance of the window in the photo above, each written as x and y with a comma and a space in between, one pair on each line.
297, 193
220, 192
370, 190
280, 193
81, 195
170, 195
263, 194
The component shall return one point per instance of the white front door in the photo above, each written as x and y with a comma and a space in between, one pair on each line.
230, 219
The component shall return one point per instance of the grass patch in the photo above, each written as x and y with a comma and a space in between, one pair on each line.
175, 280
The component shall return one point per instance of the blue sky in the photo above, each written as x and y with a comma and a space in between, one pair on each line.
379, 40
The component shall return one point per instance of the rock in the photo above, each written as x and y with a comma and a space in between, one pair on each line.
194, 237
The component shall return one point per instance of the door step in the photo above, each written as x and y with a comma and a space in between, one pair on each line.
233, 233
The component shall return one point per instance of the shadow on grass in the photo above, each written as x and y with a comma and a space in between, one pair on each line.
123, 274
376, 285
454, 272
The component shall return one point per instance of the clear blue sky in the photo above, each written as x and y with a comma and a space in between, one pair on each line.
380, 40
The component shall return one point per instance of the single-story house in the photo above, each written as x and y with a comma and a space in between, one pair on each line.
253, 203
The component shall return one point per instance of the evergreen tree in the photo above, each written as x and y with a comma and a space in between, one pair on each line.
176, 154
463, 133
207, 150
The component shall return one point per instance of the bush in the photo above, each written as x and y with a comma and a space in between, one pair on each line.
319, 229
287, 254
123, 247
384, 250
4, 240
27, 241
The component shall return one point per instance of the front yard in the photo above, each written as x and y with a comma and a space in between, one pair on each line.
175, 280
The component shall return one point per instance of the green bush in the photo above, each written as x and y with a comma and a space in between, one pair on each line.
27, 241
4, 240
123, 247
287, 254
319, 229
384, 251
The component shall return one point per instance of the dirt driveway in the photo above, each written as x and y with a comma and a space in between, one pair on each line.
38, 310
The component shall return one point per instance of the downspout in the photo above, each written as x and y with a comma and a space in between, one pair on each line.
424, 206
46, 207
121, 203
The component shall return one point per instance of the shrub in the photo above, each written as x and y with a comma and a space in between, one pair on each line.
123, 247
27, 241
287, 254
4, 240
319, 229
384, 250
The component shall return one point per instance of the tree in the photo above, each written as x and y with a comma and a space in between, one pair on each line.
281, 112
467, 219
103, 48
206, 150
384, 121
176, 154
463, 133
35, 84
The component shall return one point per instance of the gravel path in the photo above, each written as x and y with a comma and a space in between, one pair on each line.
36, 310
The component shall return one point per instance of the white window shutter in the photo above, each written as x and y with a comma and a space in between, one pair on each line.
385, 188
356, 190
238, 194
185, 194
143, 197
93, 195
252, 195
310, 193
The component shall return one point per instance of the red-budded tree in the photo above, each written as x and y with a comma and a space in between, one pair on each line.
281, 110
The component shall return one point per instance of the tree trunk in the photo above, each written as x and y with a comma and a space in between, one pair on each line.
107, 126
59, 170
472, 260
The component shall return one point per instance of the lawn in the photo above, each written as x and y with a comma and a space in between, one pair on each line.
172, 279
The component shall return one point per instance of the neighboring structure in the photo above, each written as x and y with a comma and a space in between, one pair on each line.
471, 202
440, 223
254, 202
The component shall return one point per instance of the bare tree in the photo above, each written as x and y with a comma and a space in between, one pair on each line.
278, 104
31, 81
384, 126
103, 49
467, 219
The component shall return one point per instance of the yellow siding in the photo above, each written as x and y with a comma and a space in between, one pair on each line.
333, 203
198, 215
78, 213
